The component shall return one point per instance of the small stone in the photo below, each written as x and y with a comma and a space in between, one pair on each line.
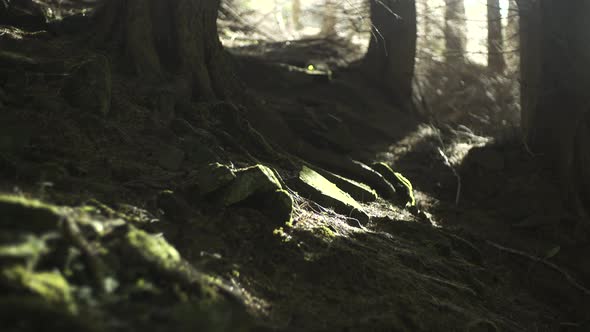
313, 185
152, 250
171, 159
208, 179
279, 205
402, 185
250, 181
359, 191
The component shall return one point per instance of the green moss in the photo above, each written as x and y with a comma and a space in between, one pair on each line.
52, 287
153, 249
325, 232
28, 214
402, 185
27, 249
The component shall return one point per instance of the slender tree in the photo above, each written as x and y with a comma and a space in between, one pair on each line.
329, 18
454, 31
555, 49
390, 59
296, 14
496, 61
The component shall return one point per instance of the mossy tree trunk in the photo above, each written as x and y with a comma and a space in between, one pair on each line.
496, 62
555, 49
454, 31
174, 38
390, 59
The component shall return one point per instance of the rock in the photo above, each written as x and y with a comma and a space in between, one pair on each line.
152, 250
279, 206
359, 191
28, 214
310, 183
374, 179
171, 158
89, 86
250, 181
51, 287
403, 186
208, 179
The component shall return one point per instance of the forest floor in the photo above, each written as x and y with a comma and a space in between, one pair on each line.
150, 215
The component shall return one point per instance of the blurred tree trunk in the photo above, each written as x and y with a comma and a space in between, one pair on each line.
296, 14
329, 19
511, 37
496, 62
454, 31
390, 59
555, 49
175, 38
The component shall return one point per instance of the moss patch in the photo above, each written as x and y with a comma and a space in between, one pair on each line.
52, 287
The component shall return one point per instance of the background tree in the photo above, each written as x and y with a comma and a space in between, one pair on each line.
390, 59
177, 37
329, 18
512, 38
454, 31
555, 49
496, 62
296, 14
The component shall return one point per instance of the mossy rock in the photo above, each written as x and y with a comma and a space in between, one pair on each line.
152, 250
279, 205
402, 185
208, 179
28, 214
250, 181
51, 287
310, 183
359, 191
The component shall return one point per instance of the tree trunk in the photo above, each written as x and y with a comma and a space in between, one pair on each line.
496, 62
454, 31
176, 38
555, 80
329, 19
390, 59
296, 14
511, 37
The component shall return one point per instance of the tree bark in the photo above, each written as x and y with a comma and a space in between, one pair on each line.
512, 38
296, 14
454, 31
176, 38
390, 59
329, 19
496, 62
555, 50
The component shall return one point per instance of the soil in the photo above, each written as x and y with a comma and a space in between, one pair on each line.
489, 245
